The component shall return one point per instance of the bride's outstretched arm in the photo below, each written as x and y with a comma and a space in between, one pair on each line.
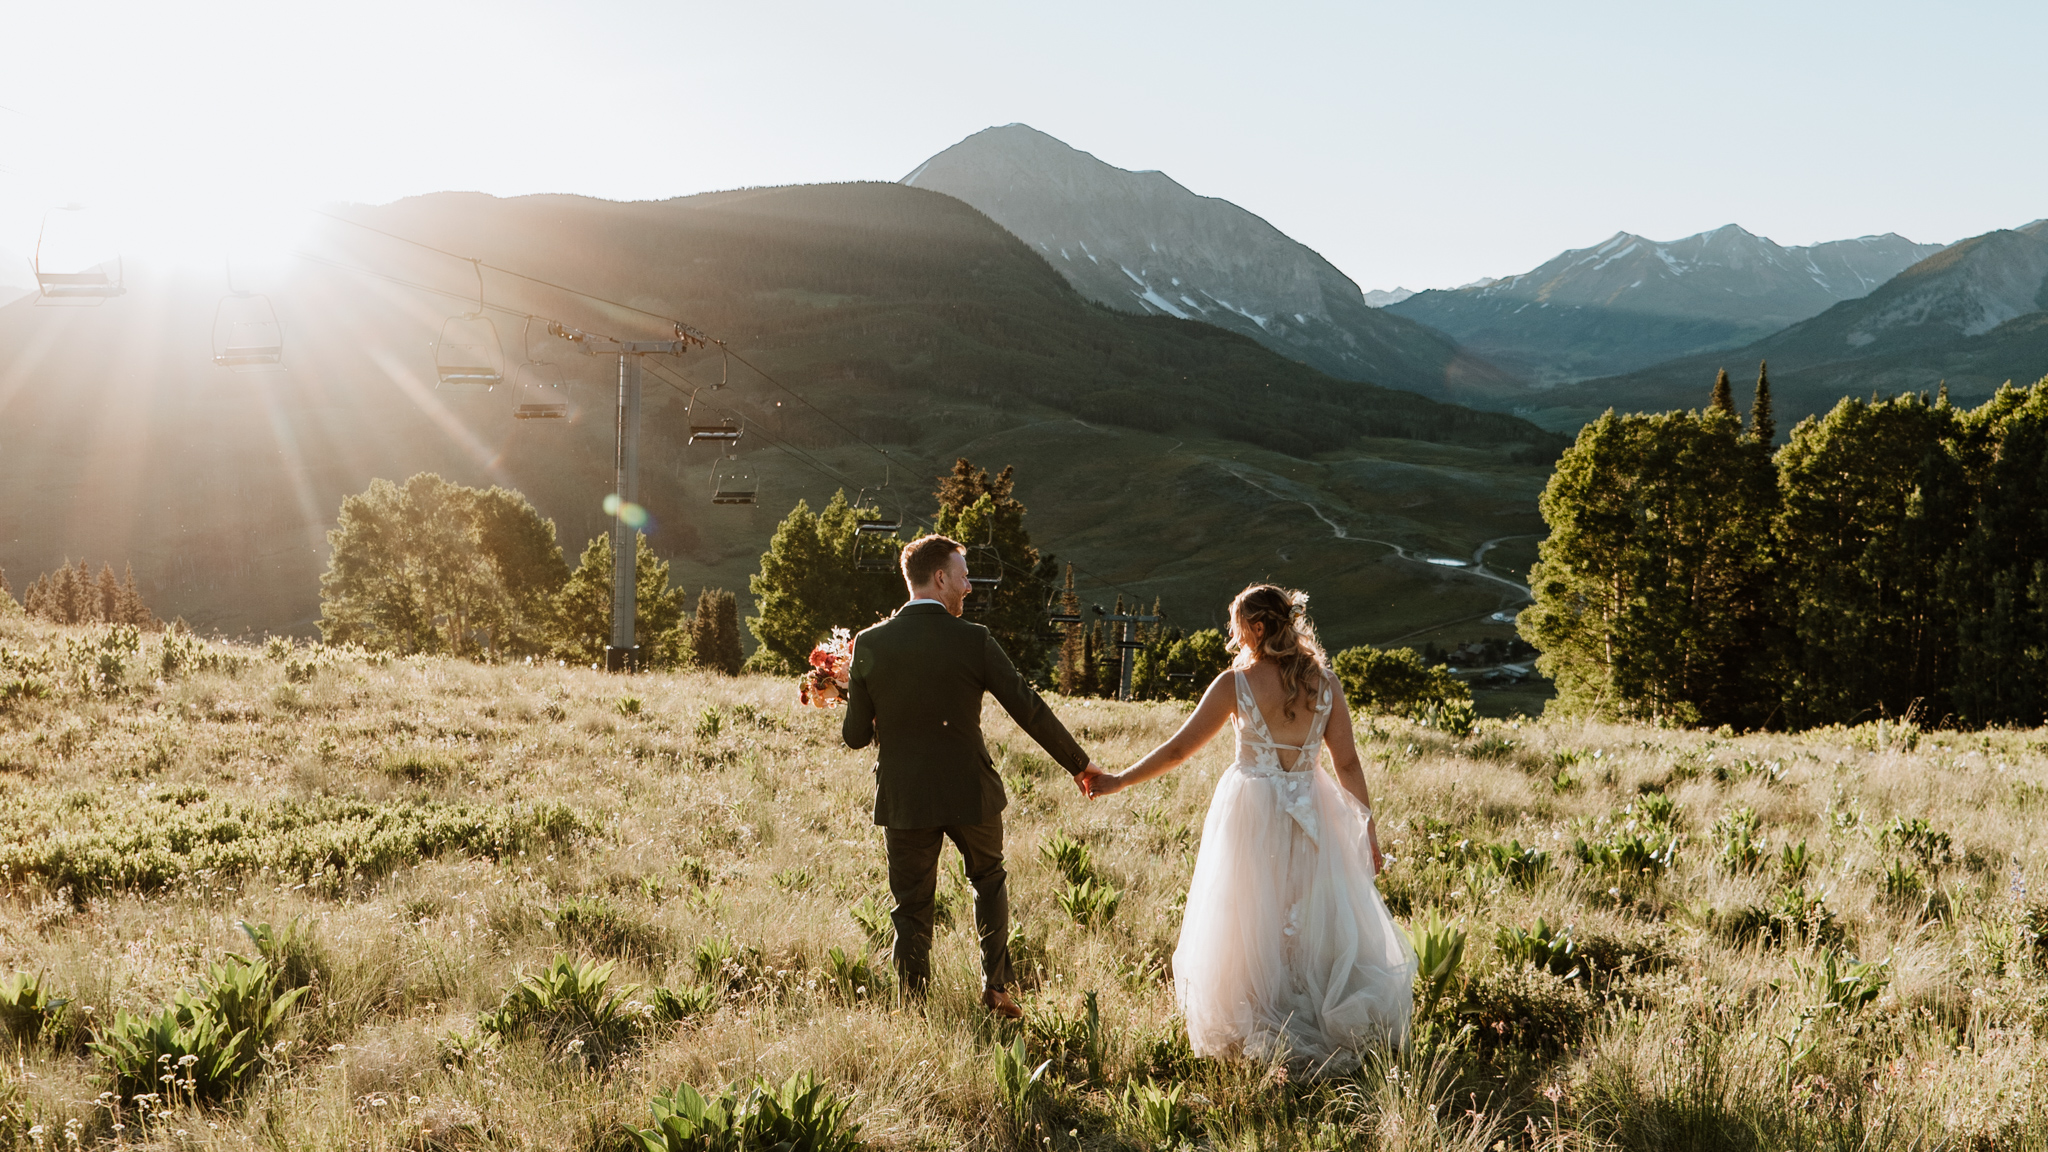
1200, 728
1350, 772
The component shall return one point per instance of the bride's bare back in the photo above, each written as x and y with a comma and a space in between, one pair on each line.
1268, 693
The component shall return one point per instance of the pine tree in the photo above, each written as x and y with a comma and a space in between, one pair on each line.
582, 608
133, 610
106, 601
36, 597
725, 633
809, 583
8, 606
1724, 394
981, 510
1073, 674
1763, 427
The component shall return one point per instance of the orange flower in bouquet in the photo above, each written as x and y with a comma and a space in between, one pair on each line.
824, 686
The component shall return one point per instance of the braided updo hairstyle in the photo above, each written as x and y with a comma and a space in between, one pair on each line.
1290, 643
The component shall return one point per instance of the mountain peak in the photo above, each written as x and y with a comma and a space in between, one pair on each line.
1630, 301
1141, 242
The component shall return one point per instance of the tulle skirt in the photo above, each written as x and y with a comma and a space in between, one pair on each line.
1286, 950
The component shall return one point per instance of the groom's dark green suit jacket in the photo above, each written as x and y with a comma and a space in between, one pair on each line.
916, 686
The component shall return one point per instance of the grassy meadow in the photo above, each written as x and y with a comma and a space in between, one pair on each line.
1670, 939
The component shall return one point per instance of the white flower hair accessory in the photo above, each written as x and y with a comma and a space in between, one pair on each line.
1299, 602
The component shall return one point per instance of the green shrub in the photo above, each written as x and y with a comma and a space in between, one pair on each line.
1020, 1087
856, 979
27, 1010
1068, 856
1397, 682
572, 1007
1552, 950
1439, 950
800, 1115
874, 920
1737, 843
293, 953
1089, 903
1933, 850
1522, 867
1628, 856
207, 1042
1158, 1115
132, 844
687, 1002
420, 765
1529, 1009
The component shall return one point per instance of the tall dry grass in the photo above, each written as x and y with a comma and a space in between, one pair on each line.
1687, 1010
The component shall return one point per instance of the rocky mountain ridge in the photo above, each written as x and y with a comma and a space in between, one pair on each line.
1630, 302
1140, 242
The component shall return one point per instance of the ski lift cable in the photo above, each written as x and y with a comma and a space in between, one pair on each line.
660, 369
692, 330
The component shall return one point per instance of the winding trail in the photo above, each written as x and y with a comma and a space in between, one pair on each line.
1477, 568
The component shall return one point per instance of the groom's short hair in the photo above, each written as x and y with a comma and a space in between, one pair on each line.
926, 555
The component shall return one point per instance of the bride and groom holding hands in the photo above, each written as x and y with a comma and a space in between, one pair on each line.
1286, 950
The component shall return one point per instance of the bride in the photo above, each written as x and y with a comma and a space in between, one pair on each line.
1286, 950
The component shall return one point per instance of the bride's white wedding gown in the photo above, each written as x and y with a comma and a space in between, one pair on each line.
1286, 949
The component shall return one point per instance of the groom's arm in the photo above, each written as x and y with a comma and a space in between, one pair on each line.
1028, 709
857, 727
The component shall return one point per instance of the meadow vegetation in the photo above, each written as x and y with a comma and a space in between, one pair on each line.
307, 897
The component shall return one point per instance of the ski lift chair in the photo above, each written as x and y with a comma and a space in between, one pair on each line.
723, 432
467, 357
538, 389
71, 262
984, 566
246, 333
876, 548
733, 482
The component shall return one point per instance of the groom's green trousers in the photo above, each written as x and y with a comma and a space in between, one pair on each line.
914, 880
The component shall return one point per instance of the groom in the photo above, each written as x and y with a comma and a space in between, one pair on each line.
915, 686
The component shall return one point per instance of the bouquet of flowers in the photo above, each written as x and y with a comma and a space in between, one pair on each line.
824, 686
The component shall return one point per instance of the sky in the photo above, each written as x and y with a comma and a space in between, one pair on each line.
1421, 145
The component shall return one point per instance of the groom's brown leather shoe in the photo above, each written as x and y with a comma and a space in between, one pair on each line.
998, 1001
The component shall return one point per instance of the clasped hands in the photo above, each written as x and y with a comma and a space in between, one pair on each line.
1094, 782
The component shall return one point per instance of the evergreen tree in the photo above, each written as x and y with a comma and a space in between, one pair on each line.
582, 608
715, 632
809, 583
1876, 499
1073, 670
106, 600
8, 606
1650, 588
977, 509
1999, 584
1763, 427
1724, 394
133, 610
76, 595
36, 597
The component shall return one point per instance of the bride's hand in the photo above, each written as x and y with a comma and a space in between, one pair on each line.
1104, 784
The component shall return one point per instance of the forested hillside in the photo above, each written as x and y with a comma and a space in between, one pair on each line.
1170, 457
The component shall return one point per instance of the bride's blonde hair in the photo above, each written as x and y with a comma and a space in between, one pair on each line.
1290, 643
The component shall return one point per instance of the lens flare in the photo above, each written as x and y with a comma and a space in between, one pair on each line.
634, 515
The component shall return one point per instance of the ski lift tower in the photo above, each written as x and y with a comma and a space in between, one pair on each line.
623, 653
1126, 645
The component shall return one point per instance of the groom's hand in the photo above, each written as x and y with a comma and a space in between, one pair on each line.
1087, 778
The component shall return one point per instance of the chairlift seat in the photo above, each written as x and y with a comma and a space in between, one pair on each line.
1064, 618
541, 412
726, 433
249, 356
733, 496
472, 374
878, 527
